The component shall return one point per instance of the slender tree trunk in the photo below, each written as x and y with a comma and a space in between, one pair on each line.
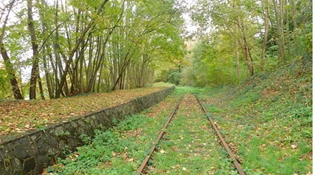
237, 58
35, 71
48, 77
100, 77
287, 35
77, 44
296, 46
122, 70
44, 29
41, 90
265, 36
279, 19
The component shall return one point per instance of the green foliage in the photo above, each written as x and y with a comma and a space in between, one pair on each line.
174, 77
99, 40
85, 138
225, 55
162, 76
115, 146
267, 121
211, 65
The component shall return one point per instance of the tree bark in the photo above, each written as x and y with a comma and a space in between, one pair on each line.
35, 71
279, 19
265, 36
41, 90
237, 58
8, 66
77, 44
296, 46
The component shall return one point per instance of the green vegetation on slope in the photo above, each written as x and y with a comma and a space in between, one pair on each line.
268, 120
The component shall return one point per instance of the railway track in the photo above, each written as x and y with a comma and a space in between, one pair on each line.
143, 166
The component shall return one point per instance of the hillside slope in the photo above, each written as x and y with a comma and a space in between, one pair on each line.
267, 120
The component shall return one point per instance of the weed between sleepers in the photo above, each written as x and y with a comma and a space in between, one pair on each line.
190, 146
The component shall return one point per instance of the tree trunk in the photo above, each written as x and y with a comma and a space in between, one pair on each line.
9, 68
77, 44
296, 46
265, 36
237, 58
41, 90
287, 35
279, 19
35, 71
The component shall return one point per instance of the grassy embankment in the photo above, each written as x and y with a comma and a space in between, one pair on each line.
268, 120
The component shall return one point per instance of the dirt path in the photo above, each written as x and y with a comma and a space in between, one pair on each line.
190, 146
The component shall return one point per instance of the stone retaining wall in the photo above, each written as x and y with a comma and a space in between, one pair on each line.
34, 151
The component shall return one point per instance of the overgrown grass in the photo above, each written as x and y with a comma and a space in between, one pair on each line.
180, 90
268, 120
121, 149
190, 146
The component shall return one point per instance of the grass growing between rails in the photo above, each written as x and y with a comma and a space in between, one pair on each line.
121, 149
190, 146
268, 120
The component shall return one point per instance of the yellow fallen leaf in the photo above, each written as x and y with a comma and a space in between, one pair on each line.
114, 154
293, 146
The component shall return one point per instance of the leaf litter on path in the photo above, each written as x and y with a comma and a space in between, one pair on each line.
20, 116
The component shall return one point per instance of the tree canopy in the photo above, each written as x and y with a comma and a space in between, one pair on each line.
74, 46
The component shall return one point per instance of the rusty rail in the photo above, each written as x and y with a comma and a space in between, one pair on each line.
161, 133
224, 143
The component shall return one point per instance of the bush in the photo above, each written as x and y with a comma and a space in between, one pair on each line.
175, 77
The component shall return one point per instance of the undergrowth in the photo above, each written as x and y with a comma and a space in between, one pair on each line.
119, 150
268, 120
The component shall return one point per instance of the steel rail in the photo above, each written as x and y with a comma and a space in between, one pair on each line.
161, 133
224, 143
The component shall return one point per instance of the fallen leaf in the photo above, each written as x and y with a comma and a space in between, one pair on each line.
131, 159
114, 154
124, 156
294, 146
